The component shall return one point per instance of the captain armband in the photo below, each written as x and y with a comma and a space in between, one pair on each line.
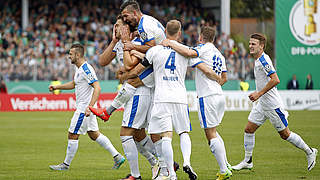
145, 62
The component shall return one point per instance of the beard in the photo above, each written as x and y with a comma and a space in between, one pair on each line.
73, 61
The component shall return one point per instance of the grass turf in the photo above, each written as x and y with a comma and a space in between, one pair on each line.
31, 141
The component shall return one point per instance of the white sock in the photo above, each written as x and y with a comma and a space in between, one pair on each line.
224, 148
167, 152
148, 145
124, 95
185, 146
296, 140
131, 152
249, 140
142, 150
162, 163
217, 150
71, 150
106, 144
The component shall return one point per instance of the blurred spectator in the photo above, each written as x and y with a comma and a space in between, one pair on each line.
55, 82
244, 86
293, 83
3, 87
309, 84
38, 52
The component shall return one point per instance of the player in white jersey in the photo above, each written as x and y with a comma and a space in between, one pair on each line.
170, 97
211, 99
151, 34
87, 90
269, 106
150, 31
132, 133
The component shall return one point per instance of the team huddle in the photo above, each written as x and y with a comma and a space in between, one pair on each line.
154, 97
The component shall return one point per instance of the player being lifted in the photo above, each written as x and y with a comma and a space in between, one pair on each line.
155, 33
132, 132
87, 91
269, 106
211, 105
150, 31
170, 98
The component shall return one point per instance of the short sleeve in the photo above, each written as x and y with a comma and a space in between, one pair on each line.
224, 66
116, 47
267, 65
199, 49
150, 54
89, 74
146, 30
193, 62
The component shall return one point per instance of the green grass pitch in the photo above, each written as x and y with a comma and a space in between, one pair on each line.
31, 141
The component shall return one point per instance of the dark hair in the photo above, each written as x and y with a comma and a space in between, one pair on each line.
173, 26
208, 33
79, 49
131, 4
262, 39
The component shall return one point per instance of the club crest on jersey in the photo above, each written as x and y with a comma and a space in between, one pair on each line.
143, 35
90, 76
267, 67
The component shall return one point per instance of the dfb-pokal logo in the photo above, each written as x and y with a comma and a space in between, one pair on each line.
304, 21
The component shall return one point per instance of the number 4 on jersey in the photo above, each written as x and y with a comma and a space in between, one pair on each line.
171, 65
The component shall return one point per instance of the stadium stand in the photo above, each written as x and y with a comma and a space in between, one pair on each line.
38, 52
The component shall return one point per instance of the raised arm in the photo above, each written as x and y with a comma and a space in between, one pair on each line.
179, 48
272, 83
106, 57
65, 86
141, 48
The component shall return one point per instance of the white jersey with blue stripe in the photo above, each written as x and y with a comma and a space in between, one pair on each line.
118, 49
83, 78
169, 70
150, 28
210, 55
262, 70
142, 90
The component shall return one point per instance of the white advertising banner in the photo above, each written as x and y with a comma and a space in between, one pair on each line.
239, 101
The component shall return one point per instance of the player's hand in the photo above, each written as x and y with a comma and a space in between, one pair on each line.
219, 81
165, 42
119, 73
123, 77
52, 88
254, 96
128, 46
114, 37
87, 112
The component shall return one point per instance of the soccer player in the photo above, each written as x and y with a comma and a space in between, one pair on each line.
211, 99
151, 33
170, 98
269, 106
132, 132
87, 91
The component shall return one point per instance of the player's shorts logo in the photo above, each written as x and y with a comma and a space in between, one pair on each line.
304, 21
